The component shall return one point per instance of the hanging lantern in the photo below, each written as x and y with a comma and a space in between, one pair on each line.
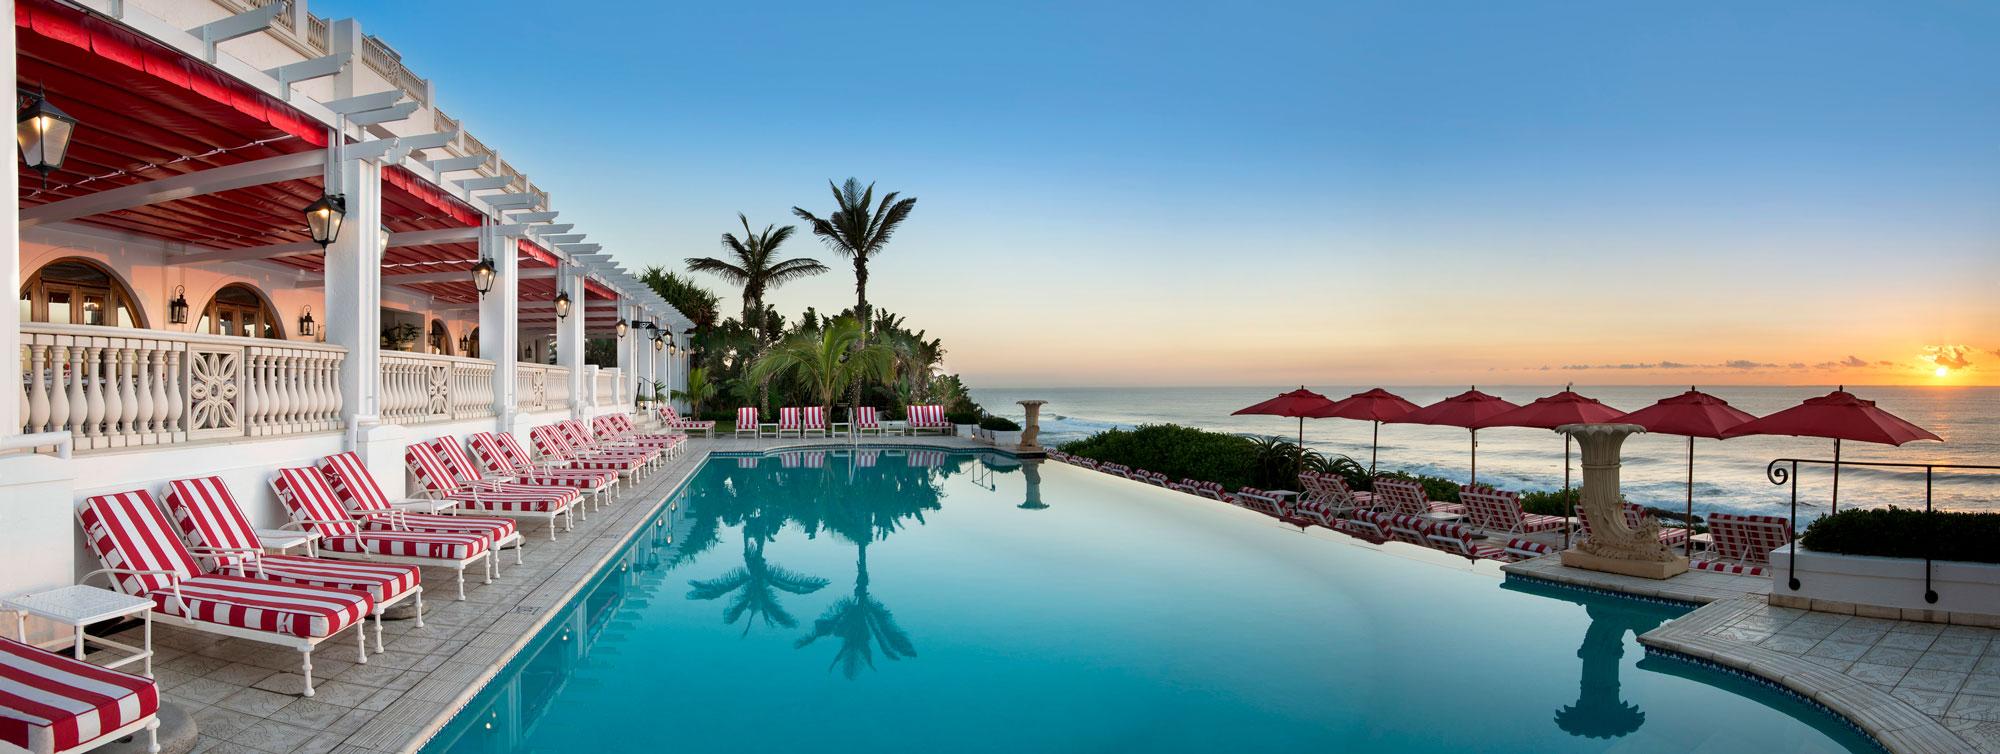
382, 234
621, 329
93, 312
465, 344
482, 276
323, 218
177, 309
562, 305
672, 347
307, 326
659, 343
43, 132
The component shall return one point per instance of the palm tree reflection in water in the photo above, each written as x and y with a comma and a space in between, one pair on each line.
863, 507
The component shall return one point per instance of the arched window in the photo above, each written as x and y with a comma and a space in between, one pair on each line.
237, 309
77, 291
440, 339
470, 345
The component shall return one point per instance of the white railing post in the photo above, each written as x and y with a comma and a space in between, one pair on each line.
570, 336
12, 411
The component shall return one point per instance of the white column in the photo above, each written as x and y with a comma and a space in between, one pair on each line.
628, 374
354, 294
569, 339
10, 254
499, 320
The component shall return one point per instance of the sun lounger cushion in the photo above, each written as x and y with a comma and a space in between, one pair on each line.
51, 703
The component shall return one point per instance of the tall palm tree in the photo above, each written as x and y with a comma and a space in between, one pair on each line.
826, 362
754, 264
858, 231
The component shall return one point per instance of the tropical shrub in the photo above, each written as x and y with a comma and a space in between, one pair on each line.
962, 417
999, 424
1906, 533
1176, 451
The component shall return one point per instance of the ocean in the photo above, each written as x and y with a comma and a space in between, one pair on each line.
1729, 474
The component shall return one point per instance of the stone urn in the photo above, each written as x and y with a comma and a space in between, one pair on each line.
1031, 427
1613, 546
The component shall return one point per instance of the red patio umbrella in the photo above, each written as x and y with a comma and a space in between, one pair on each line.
1299, 403
1549, 412
1691, 414
1840, 416
1469, 409
1375, 405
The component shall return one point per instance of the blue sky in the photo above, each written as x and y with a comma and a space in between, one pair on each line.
1295, 192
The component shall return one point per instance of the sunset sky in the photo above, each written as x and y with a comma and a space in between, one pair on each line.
1301, 192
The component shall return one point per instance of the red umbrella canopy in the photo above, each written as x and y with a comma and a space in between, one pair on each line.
1298, 403
1690, 414
1549, 412
1837, 415
1374, 405
1468, 409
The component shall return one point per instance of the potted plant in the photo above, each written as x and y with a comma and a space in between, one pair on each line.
1000, 431
964, 423
401, 337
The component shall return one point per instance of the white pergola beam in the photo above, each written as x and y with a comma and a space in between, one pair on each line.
563, 238
548, 230
427, 237
394, 112
273, 251
307, 70
579, 248
240, 25
484, 182
506, 201
452, 164
533, 217
365, 102
394, 277
307, 164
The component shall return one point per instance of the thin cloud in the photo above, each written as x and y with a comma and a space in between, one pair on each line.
1855, 361
1952, 357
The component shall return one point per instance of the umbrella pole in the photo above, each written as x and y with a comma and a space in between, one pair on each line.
1475, 457
1836, 475
1302, 433
1687, 545
1374, 448
1568, 505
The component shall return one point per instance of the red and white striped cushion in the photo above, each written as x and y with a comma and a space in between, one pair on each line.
352, 483
51, 703
384, 517
493, 496
127, 531
579, 439
382, 582
430, 470
288, 609
746, 418
927, 416
674, 420
455, 459
511, 501
812, 418
209, 517
866, 418
1720, 566
1748, 539
312, 503
410, 544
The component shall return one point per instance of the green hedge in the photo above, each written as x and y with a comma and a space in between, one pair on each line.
1176, 451
1905, 533
999, 424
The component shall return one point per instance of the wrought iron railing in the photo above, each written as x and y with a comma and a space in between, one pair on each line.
1785, 472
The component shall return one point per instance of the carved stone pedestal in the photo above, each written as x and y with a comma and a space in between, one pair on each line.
1613, 546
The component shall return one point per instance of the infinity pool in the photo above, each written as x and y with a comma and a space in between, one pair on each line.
908, 600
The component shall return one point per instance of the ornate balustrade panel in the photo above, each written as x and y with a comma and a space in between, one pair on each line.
117, 388
557, 388
531, 382
608, 388
418, 388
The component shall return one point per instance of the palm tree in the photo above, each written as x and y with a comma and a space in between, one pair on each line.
860, 622
859, 232
696, 303
757, 268
826, 364
697, 391
756, 585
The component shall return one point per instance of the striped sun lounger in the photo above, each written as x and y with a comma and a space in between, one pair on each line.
314, 506
52, 704
1742, 544
927, 419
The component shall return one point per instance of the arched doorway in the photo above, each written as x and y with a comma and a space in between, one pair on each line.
240, 310
471, 343
440, 338
77, 291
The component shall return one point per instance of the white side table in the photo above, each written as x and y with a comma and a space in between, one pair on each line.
283, 540
79, 606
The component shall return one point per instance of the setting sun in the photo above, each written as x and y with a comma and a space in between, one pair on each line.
1941, 372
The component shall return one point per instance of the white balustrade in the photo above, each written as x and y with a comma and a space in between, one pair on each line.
608, 388
531, 386
556, 388
418, 388
116, 388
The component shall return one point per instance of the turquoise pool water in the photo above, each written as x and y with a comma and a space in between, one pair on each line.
918, 601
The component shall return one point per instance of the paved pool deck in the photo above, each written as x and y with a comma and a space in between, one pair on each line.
1917, 688
244, 695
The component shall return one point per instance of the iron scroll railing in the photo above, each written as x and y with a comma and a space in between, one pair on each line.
1785, 472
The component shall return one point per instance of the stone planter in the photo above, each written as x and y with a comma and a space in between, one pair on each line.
965, 430
1005, 439
1881, 587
